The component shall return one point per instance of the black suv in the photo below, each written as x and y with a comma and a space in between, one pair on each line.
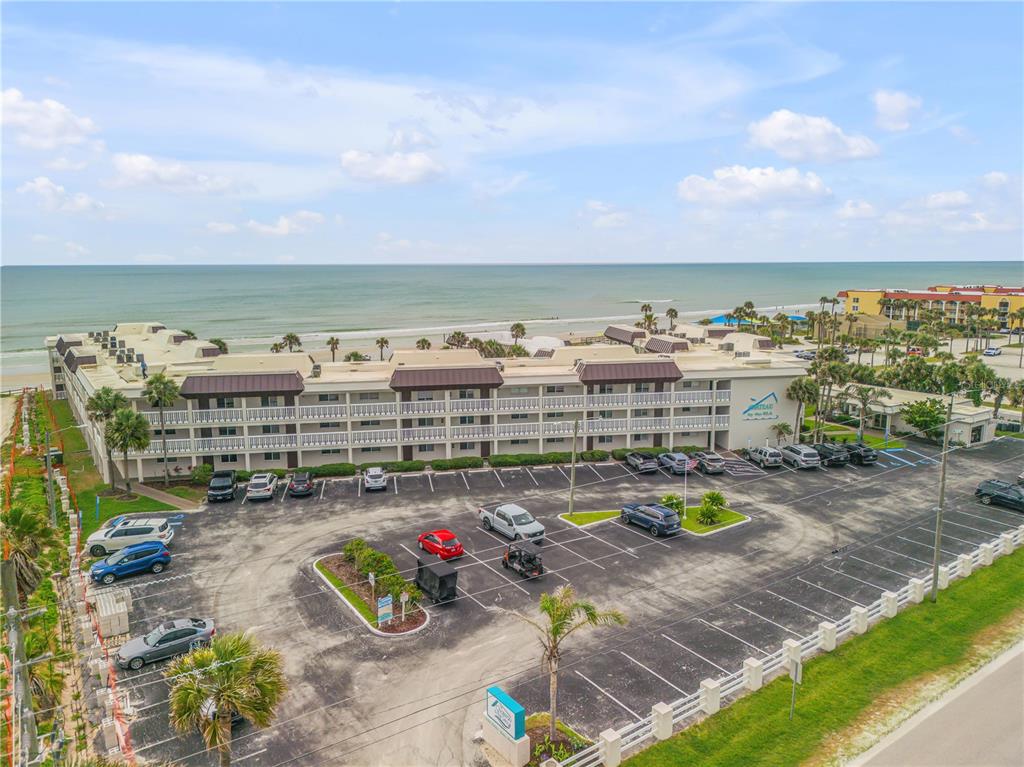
1002, 493
861, 453
832, 454
302, 484
222, 486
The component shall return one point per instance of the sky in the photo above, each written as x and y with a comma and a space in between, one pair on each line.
391, 133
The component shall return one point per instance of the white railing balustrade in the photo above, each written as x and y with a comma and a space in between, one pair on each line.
485, 431
652, 398
471, 405
650, 424
375, 437
565, 402
721, 422
156, 447
219, 444
270, 413
424, 434
269, 441
723, 395
516, 404
219, 415
607, 400
518, 429
701, 396
692, 422
171, 417
422, 406
374, 409
322, 412
324, 439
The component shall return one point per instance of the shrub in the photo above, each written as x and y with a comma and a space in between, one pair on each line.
331, 470
674, 502
529, 459
202, 473
351, 549
243, 476
465, 462
688, 448
395, 466
594, 455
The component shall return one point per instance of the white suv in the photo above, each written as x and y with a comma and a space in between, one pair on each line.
766, 456
261, 486
801, 456
128, 531
374, 478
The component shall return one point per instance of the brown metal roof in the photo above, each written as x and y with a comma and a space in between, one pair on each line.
628, 372
75, 359
425, 379
662, 345
547, 353
623, 335
63, 346
720, 332
245, 384
765, 343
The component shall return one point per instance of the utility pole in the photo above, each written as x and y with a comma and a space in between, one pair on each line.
942, 498
24, 724
49, 481
572, 468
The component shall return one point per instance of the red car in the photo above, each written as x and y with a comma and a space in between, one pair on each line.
441, 542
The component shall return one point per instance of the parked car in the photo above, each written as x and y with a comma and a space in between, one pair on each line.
151, 556
1020, 478
209, 710
678, 463
914, 351
1001, 493
375, 478
832, 454
992, 351
642, 463
800, 456
222, 486
512, 521
861, 454
765, 456
301, 484
444, 543
129, 531
805, 354
653, 517
710, 462
113, 521
261, 487
170, 638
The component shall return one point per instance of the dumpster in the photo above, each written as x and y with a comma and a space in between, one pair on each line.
436, 579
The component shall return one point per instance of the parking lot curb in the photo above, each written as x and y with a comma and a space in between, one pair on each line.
564, 514
356, 612
733, 526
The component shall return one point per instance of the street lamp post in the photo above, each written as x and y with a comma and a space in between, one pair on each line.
942, 497
572, 469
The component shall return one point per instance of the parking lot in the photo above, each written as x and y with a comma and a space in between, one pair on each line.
818, 543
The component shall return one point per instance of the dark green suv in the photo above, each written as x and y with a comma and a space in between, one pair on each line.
1001, 493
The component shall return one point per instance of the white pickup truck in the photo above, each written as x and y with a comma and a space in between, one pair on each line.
512, 521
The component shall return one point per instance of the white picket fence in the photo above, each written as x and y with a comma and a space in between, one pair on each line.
613, 744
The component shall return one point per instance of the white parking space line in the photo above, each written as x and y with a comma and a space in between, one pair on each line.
610, 697
244, 498
466, 593
984, 519
160, 743
855, 578
951, 537
497, 476
359, 487
652, 673
899, 458
414, 554
694, 652
767, 620
716, 628
927, 458
829, 591
323, 486
466, 481
882, 567
901, 554
498, 573
531, 476
585, 559
566, 476
927, 545
646, 536
237, 759
797, 604
608, 543
593, 469
968, 527
665, 471
430, 479
628, 473
396, 484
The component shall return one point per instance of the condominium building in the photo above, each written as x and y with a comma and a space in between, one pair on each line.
951, 300
257, 411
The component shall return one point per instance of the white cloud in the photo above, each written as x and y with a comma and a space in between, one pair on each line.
973, 222
739, 185
603, 215
45, 124
947, 200
66, 164
42, 239
143, 170
409, 138
394, 168
221, 227
75, 249
995, 179
856, 209
296, 223
499, 187
893, 109
798, 137
55, 197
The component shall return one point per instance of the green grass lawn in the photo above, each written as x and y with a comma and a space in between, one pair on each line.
350, 596
585, 517
726, 518
1013, 434
111, 507
196, 493
841, 433
839, 687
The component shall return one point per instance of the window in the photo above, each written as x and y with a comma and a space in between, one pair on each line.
268, 401
229, 458
270, 429
424, 448
519, 416
503, 517
330, 425
642, 387
167, 460
369, 423
271, 456
369, 450
425, 421
555, 415
227, 431
520, 442
369, 395
467, 394
604, 413
467, 419
605, 389
641, 437
424, 396
687, 384
640, 413
518, 390
327, 398
225, 402
467, 446
331, 451
605, 439
556, 440
559, 389
168, 432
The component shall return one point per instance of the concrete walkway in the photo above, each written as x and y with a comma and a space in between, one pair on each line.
159, 495
979, 723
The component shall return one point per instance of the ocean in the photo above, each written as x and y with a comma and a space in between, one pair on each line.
250, 306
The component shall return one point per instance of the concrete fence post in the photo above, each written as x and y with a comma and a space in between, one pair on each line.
889, 604
1006, 539
611, 747
859, 620
791, 649
944, 576
987, 553
710, 696
827, 636
661, 716
753, 674
916, 590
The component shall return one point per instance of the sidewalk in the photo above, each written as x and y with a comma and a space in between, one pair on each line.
160, 495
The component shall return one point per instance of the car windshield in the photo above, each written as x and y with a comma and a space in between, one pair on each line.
713, 458
522, 519
220, 481
670, 519
153, 637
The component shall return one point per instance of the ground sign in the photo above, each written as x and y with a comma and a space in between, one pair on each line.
505, 714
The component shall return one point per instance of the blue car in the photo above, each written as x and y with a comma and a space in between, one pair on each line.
150, 556
653, 517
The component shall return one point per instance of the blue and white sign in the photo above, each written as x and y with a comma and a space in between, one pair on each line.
385, 611
762, 409
505, 714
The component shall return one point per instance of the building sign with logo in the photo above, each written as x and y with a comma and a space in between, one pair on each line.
762, 409
385, 610
505, 714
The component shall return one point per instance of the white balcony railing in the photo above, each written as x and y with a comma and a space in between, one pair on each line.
324, 439
322, 412
374, 409
518, 430
517, 404
650, 424
422, 406
270, 414
472, 405
424, 434
605, 425
375, 437
174, 447
607, 400
171, 417
652, 398
219, 415
723, 395
560, 428
268, 441
485, 431
565, 402
693, 397
721, 422
692, 422
219, 444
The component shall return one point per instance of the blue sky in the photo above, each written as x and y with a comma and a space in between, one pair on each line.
413, 132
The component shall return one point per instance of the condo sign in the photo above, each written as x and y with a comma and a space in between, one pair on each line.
505, 713
762, 409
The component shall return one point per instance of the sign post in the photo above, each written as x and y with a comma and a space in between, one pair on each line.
385, 611
796, 671
404, 597
370, 577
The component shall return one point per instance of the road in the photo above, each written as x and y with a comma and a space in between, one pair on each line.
978, 724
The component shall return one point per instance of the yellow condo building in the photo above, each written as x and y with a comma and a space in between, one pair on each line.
952, 300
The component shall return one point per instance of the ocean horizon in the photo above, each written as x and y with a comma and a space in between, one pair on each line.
249, 306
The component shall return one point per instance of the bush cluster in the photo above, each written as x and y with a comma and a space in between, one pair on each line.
388, 580
398, 466
201, 473
465, 462
620, 453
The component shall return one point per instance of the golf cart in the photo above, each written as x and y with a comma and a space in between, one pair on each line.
436, 579
522, 560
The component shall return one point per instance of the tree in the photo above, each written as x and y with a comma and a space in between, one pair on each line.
423, 344
518, 330
712, 503
926, 416
516, 350
999, 388
25, 533
353, 357
382, 344
865, 397
277, 347
189, 335
1016, 397
674, 501
221, 344
672, 315
333, 344
1017, 317
564, 614
127, 431
804, 391
234, 675
458, 339
646, 309
291, 340
781, 430
100, 408
162, 392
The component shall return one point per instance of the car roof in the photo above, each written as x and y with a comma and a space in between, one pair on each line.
143, 545
262, 475
444, 535
301, 475
511, 508
679, 455
997, 482
140, 522
374, 470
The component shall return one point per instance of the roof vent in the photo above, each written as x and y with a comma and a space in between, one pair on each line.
120, 344
315, 371
106, 334
140, 357
120, 358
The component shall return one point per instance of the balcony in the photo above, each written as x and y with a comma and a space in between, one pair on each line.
322, 412
604, 425
702, 397
517, 404
422, 406
723, 395
219, 415
156, 447
692, 422
375, 437
424, 434
374, 409
518, 430
565, 402
273, 441
649, 424
270, 414
324, 439
561, 428
219, 444
472, 405
171, 417
652, 398
607, 400
721, 422
464, 433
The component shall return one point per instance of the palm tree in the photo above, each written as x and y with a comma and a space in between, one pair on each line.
127, 431
1017, 316
25, 533
100, 408
672, 316
865, 397
730, 317
423, 344
712, 503
189, 335
161, 392
353, 357
564, 614
1016, 397
646, 309
220, 344
458, 339
333, 343
518, 330
234, 675
781, 430
382, 344
999, 388
277, 347
804, 391
291, 340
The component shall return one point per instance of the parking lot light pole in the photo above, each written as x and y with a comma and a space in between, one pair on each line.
572, 469
942, 498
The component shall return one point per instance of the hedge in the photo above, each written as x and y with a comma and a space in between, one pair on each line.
594, 455
620, 453
331, 470
387, 578
395, 465
465, 462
